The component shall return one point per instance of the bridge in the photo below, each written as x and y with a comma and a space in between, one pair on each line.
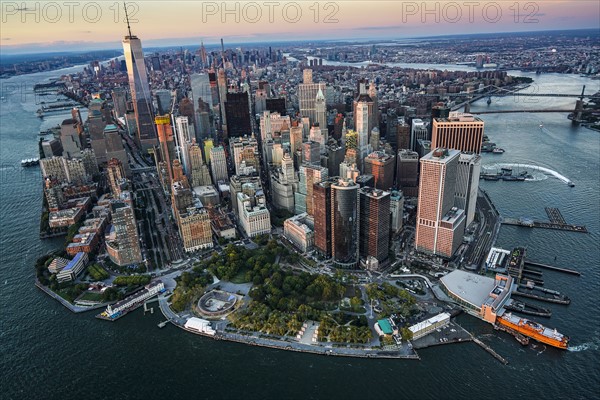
492, 90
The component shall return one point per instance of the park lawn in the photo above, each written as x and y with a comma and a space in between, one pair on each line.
91, 296
240, 277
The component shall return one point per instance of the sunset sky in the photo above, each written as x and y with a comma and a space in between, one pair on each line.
58, 26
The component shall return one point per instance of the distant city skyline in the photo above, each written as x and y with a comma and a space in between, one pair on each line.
48, 27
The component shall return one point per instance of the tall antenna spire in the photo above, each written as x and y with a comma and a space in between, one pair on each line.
127, 18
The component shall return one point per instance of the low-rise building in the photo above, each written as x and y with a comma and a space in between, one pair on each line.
424, 328
73, 268
65, 218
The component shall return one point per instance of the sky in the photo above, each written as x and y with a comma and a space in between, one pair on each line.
43, 26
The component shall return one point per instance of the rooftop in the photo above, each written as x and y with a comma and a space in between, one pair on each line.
385, 326
472, 288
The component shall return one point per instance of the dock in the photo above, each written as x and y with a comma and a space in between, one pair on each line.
555, 221
553, 268
543, 224
490, 350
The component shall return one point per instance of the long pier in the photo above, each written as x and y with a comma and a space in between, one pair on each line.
546, 266
490, 350
544, 225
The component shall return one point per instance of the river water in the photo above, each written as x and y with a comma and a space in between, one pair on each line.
48, 353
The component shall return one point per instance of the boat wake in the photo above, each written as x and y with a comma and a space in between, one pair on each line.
583, 347
544, 170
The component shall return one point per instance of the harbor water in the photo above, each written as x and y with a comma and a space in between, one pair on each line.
46, 352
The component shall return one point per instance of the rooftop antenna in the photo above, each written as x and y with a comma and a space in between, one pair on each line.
127, 18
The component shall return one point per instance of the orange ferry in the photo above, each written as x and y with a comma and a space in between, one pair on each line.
534, 330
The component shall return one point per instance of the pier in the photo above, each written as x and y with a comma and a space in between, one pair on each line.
556, 221
553, 268
490, 350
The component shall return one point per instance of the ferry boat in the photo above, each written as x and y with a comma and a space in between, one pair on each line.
534, 330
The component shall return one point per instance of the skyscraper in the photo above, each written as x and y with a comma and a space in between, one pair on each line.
184, 138
374, 224
202, 94
363, 108
440, 225
237, 112
381, 166
140, 90
167, 144
308, 175
195, 229
115, 148
322, 217
70, 138
345, 223
218, 164
459, 131
307, 95
396, 211
418, 132
123, 247
407, 174
467, 184
199, 170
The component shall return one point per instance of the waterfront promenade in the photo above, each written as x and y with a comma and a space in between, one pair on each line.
71, 307
257, 339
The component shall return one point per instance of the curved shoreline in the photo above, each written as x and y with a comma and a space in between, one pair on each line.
289, 346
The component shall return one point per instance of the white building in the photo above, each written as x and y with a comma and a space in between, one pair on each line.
151, 289
300, 231
73, 268
424, 328
253, 214
200, 325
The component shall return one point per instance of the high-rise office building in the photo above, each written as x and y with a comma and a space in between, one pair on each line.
467, 184
407, 172
374, 224
322, 217
345, 223
163, 101
140, 91
184, 138
202, 94
96, 122
218, 164
311, 152
440, 225
307, 95
402, 135
381, 166
119, 98
167, 144
321, 114
363, 109
284, 183
244, 151
237, 112
199, 170
115, 148
396, 211
459, 131
308, 175
70, 138
123, 245
418, 132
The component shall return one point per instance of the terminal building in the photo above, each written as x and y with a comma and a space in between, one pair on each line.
478, 295
424, 328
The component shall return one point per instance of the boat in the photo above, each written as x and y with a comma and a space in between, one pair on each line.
498, 150
530, 309
571, 184
30, 162
534, 330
